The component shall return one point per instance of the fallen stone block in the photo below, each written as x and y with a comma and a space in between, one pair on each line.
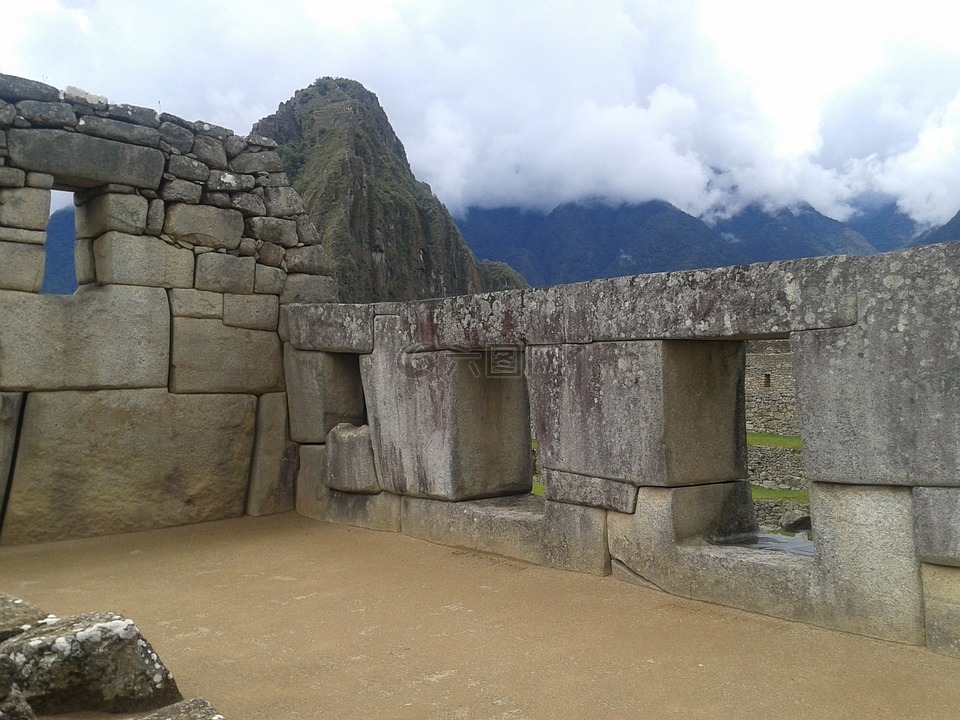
195, 709
15, 616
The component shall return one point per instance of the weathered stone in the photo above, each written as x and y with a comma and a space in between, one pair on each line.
113, 336
941, 600
248, 248
196, 303
273, 474
224, 227
323, 390
316, 500
209, 357
247, 203
181, 191
795, 521
590, 491
306, 231
134, 114
84, 262
112, 211
230, 182
21, 267
937, 524
217, 131
128, 460
262, 141
14, 615
177, 136
874, 408
225, 273
96, 661
209, 150
309, 289
40, 180
187, 168
195, 709
268, 280
248, 162
273, 230
259, 312
27, 208
14, 89
234, 145
217, 199
350, 465
82, 197
440, 427
266, 180
141, 260
46, 114
311, 259
585, 401
84, 161
79, 96
283, 325
10, 404
155, 216
31, 237
12, 177
332, 328
283, 201
13, 705
118, 130
270, 254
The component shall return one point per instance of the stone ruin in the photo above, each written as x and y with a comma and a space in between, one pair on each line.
198, 375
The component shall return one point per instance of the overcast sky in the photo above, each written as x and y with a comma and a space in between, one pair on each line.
534, 103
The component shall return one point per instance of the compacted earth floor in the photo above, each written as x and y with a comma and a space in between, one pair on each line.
285, 617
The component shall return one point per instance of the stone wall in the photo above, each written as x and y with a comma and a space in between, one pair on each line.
774, 467
771, 397
155, 395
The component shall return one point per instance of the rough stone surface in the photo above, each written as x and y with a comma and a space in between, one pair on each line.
195, 709
127, 460
25, 208
21, 266
95, 661
937, 524
181, 191
13, 89
195, 303
268, 280
230, 182
17, 235
300, 288
46, 114
283, 201
10, 404
84, 161
273, 230
273, 474
225, 273
310, 259
223, 227
586, 399
875, 408
332, 328
589, 491
258, 162
14, 615
323, 390
187, 168
14, 706
209, 357
350, 465
210, 152
112, 211
118, 130
113, 336
259, 312
941, 599
141, 260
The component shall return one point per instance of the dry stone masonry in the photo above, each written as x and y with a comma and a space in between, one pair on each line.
204, 370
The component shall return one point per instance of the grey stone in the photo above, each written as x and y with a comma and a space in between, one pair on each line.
585, 401
141, 260
113, 336
300, 288
30, 237
268, 280
262, 141
21, 266
210, 152
224, 227
225, 273
128, 460
10, 404
248, 248
40, 180
273, 474
177, 136
13, 705
350, 465
311, 259
8, 114
82, 197
217, 199
134, 114
264, 161
234, 145
155, 217
247, 203
12, 177
209, 357
270, 254
84, 161
230, 182
879, 402
259, 312
795, 520
266, 180
181, 191
282, 201
27, 208
273, 230
936, 523
306, 231
13, 89
112, 211
590, 491
195, 709
118, 130
187, 168
14, 615
195, 303
941, 599
95, 661
316, 500
441, 428
332, 328
81, 97
323, 390
46, 114
84, 263
217, 131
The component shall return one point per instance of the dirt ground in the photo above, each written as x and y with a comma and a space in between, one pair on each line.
284, 617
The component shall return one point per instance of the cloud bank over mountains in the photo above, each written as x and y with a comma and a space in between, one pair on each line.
710, 106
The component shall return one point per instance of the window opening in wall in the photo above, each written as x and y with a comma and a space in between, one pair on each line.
766, 380
59, 270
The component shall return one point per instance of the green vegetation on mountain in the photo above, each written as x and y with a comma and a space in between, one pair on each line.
388, 236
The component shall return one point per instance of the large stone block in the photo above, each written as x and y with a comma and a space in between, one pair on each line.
141, 260
122, 212
332, 328
195, 303
26, 208
273, 230
21, 266
112, 461
118, 130
112, 336
647, 413
323, 390
210, 357
84, 161
225, 273
941, 601
273, 474
299, 288
936, 520
350, 465
589, 491
219, 228
440, 427
880, 402
259, 312
9, 423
